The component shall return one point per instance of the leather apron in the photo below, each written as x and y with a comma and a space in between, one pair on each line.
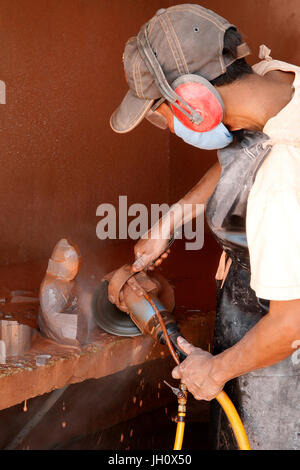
266, 399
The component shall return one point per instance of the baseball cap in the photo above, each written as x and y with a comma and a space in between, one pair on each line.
186, 39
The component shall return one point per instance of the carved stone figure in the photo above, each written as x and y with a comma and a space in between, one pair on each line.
61, 317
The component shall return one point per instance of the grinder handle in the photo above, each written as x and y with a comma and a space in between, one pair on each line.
173, 337
174, 333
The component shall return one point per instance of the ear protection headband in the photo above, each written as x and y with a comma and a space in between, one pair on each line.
193, 99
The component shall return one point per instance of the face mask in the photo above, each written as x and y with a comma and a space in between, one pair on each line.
218, 138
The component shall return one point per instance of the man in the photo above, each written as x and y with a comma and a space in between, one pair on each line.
253, 210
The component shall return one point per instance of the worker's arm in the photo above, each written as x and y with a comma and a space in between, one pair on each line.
155, 241
272, 339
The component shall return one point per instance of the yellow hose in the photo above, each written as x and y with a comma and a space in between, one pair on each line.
179, 433
233, 418
235, 421
223, 399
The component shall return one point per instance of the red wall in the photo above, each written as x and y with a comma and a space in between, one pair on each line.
61, 61
62, 64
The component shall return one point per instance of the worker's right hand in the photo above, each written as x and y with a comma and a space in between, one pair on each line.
198, 372
148, 250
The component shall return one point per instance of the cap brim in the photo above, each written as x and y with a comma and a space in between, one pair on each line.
130, 113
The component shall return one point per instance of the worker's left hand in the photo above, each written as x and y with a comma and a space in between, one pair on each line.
196, 372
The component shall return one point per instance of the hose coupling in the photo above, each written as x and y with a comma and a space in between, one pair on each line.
182, 398
179, 393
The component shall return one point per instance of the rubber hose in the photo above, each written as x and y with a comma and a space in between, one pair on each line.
233, 418
235, 421
179, 434
222, 398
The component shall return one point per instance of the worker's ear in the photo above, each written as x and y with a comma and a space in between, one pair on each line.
166, 111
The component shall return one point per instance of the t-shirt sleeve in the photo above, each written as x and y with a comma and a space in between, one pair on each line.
273, 228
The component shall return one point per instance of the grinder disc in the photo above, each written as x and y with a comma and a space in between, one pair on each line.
109, 317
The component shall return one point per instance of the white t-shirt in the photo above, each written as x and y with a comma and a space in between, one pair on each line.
273, 212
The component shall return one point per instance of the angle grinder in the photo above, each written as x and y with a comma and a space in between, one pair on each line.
131, 304
120, 306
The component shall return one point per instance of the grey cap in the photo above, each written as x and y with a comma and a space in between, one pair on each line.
186, 39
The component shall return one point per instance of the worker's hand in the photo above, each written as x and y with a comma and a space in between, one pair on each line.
148, 250
196, 372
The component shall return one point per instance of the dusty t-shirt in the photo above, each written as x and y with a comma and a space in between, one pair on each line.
273, 213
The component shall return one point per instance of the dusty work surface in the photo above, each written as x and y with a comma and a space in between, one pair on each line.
120, 411
24, 377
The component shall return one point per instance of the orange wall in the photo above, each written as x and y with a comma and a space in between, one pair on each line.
62, 64
61, 61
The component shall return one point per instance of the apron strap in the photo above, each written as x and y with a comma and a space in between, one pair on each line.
264, 53
223, 268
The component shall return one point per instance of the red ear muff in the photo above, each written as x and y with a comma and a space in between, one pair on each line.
201, 96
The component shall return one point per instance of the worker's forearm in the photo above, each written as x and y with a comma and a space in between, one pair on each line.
268, 342
186, 208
